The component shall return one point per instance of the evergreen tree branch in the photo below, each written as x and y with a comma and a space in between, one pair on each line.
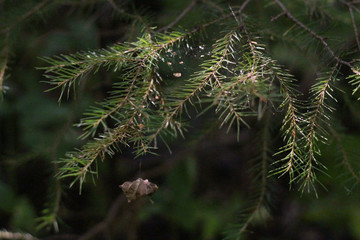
292, 131
316, 122
65, 70
98, 116
316, 36
196, 84
78, 164
225, 90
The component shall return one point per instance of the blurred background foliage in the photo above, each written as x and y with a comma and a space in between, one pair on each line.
202, 184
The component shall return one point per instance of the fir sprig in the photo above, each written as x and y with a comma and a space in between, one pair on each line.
291, 126
317, 122
238, 79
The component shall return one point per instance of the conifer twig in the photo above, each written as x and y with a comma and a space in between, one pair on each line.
291, 129
316, 36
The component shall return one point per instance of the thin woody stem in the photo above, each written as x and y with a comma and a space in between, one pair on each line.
355, 28
182, 14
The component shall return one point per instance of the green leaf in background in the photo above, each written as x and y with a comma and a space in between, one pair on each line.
7, 197
23, 218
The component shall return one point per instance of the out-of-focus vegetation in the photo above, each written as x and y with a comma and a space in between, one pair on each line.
206, 182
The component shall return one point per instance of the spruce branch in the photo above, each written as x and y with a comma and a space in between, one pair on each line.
316, 127
97, 115
321, 39
66, 69
234, 97
291, 127
196, 84
78, 164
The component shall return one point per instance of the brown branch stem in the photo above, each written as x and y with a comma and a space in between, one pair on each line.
355, 28
105, 224
350, 5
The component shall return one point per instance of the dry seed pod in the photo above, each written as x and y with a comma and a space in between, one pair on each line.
138, 188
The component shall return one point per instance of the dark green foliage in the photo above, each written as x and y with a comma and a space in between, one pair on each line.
228, 66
